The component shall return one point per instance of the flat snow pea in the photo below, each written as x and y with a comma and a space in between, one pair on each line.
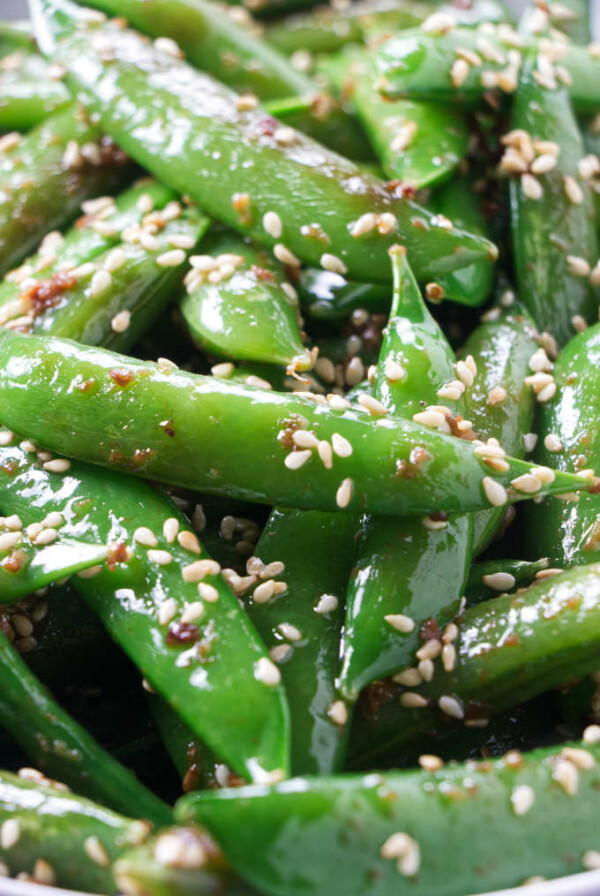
554, 238
28, 92
239, 304
45, 176
423, 833
241, 166
185, 434
163, 601
407, 569
500, 402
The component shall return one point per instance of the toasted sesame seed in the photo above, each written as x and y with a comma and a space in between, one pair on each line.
527, 483
494, 491
344, 493
327, 603
581, 759
161, 558
96, 851
193, 611
145, 537
170, 530
429, 650
410, 700
58, 465
285, 256
522, 799
532, 188
120, 322
567, 775
10, 831
410, 678
199, 569
426, 670
167, 611
499, 581
450, 633
450, 706
338, 712
267, 672
430, 763
332, 263
400, 622
272, 224
459, 72
448, 657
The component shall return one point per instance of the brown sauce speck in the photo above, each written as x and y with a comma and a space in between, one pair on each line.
121, 376
182, 633
47, 293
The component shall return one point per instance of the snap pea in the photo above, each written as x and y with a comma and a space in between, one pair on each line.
240, 165
407, 569
507, 650
500, 403
185, 430
28, 92
568, 433
419, 144
381, 833
62, 838
329, 296
302, 627
243, 307
194, 762
491, 577
58, 746
202, 655
553, 209
25, 568
44, 178
15, 34
572, 17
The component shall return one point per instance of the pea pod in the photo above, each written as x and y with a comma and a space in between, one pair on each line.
57, 745
44, 178
418, 144
204, 657
66, 839
407, 569
569, 434
551, 209
500, 402
25, 568
15, 34
381, 833
28, 92
225, 158
491, 577
507, 650
329, 296
571, 17
184, 435
243, 307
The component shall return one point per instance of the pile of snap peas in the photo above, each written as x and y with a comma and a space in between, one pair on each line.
299, 435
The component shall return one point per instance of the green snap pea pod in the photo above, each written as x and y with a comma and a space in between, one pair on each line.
569, 434
44, 178
195, 763
424, 833
419, 144
507, 650
15, 34
28, 92
243, 308
407, 569
329, 296
572, 17
57, 745
302, 627
491, 577
177, 621
500, 403
240, 165
184, 435
62, 838
25, 568
552, 209
219, 43
458, 201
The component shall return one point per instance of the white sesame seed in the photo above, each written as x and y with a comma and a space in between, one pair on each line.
46, 537
280, 653
430, 763
450, 706
267, 672
400, 622
410, 700
289, 631
581, 759
459, 72
285, 256
410, 678
120, 322
496, 395
552, 443
448, 657
363, 225
573, 191
429, 650
499, 581
404, 136
272, 224
527, 483
208, 592
115, 260
577, 266
327, 603
296, 459
275, 568
543, 164
246, 102
333, 263
522, 799
450, 633
101, 281
372, 405
338, 712
10, 540
170, 530
43, 873
167, 611
386, 223
439, 22
72, 157
145, 537
567, 775
494, 491
96, 851
189, 542
305, 439
285, 136
161, 558
532, 188
15, 524
199, 569
341, 446
10, 831
431, 419
6, 438
591, 735
169, 46
344, 493
58, 465
426, 670
464, 373
590, 860
171, 259
181, 241
264, 592
193, 612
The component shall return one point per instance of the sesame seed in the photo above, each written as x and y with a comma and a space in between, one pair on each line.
267, 672
400, 622
410, 700
9, 141
338, 712
532, 188
386, 224
450, 706
363, 225
344, 493
494, 491
276, 568
464, 373
522, 799
169, 46
101, 281
552, 443
340, 445
499, 581
10, 831
459, 72
72, 157
145, 203
404, 136
208, 592
264, 592
543, 164
289, 631
394, 372
272, 224
527, 483
577, 266
496, 396
304, 439
96, 851
281, 652
573, 191
10, 540
145, 537
120, 322
448, 657
567, 775
591, 735
333, 263
429, 650
171, 259
161, 558
410, 678
431, 419
590, 860
327, 603
167, 611
170, 530
430, 763
43, 873
6, 438
224, 370
296, 459
189, 542
285, 256
581, 759
285, 136
426, 670
372, 405
58, 465
199, 569
115, 260
405, 850
192, 612
450, 633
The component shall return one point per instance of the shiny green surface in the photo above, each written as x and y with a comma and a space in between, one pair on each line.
186, 128
28, 93
247, 316
509, 649
318, 550
547, 231
209, 679
53, 194
63, 750
523, 573
309, 836
37, 567
330, 296
402, 566
185, 425
569, 534
501, 345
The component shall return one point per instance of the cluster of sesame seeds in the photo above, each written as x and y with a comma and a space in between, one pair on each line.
405, 850
496, 68
528, 158
442, 649
211, 269
541, 379
384, 224
182, 848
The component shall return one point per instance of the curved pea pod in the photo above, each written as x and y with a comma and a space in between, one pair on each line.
553, 208
329, 296
184, 425
57, 745
498, 654
238, 304
58, 176
407, 569
458, 201
61, 838
28, 92
424, 833
15, 34
25, 568
239, 165
162, 599
500, 403
491, 577
302, 626
418, 144
569, 534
